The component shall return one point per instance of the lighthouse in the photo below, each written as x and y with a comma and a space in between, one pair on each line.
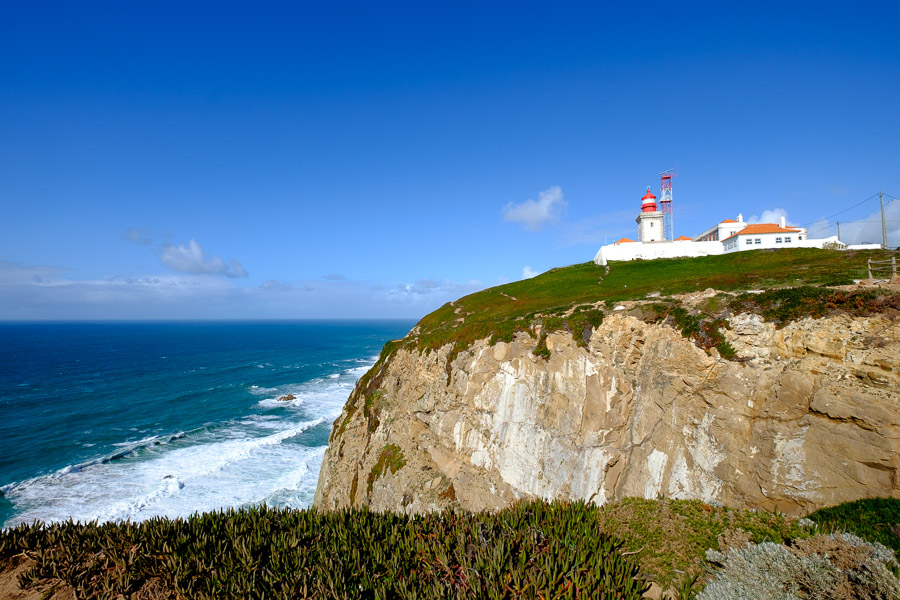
650, 220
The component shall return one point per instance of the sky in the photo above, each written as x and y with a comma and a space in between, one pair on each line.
189, 160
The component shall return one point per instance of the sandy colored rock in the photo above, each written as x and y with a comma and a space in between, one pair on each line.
807, 417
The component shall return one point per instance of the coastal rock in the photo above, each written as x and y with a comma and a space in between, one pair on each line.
806, 416
286, 398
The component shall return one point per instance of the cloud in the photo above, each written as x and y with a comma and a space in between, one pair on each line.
137, 235
430, 292
274, 284
868, 229
534, 214
334, 277
14, 273
191, 259
861, 231
35, 292
528, 272
771, 216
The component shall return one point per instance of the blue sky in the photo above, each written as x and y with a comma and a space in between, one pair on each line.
263, 160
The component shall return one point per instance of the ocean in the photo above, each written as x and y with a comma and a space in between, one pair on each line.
114, 421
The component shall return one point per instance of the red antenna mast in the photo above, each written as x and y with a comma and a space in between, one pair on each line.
665, 203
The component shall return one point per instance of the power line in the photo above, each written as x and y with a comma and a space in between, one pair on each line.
843, 211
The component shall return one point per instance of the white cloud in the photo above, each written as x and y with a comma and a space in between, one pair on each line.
430, 291
771, 216
274, 284
868, 229
34, 292
138, 235
528, 272
534, 214
191, 259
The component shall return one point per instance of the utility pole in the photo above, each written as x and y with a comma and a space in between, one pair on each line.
839, 230
883, 228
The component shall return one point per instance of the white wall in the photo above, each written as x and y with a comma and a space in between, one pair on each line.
651, 250
768, 241
684, 249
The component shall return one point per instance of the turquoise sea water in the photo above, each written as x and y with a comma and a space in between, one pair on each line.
133, 420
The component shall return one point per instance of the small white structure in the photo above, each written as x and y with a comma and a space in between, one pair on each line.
724, 237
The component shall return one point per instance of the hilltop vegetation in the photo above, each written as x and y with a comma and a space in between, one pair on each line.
575, 297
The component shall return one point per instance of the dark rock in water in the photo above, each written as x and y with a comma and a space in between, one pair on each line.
287, 398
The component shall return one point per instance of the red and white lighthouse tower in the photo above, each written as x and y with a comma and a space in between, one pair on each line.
650, 220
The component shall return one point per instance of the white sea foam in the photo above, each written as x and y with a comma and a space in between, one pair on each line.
232, 467
264, 457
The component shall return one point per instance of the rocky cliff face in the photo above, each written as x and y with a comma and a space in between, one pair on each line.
807, 416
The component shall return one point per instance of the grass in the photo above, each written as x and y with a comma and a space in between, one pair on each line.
498, 313
572, 298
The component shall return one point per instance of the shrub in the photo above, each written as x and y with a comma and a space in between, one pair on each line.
836, 567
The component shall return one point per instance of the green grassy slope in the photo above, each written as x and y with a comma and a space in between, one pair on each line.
499, 311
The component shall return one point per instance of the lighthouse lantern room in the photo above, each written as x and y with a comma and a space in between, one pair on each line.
650, 220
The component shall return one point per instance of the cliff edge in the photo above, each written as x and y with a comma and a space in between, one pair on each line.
763, 401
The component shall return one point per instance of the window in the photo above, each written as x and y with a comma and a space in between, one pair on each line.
777, 240
799, 237
787, 240
759, 240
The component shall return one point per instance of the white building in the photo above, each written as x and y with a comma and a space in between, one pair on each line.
721, 231
768, 235
724, 237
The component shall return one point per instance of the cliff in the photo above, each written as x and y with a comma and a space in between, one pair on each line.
802, 414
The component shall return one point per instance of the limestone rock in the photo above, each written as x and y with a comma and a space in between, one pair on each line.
806, 417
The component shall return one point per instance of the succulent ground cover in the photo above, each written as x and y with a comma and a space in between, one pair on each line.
531, 550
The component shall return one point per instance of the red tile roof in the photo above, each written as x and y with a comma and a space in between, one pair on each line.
760, 228
623, 240
730, 221
683, 238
